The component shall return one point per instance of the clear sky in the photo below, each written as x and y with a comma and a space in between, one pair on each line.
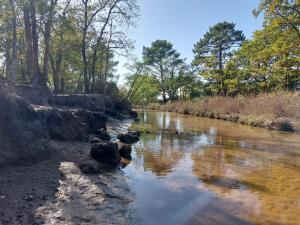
184, 22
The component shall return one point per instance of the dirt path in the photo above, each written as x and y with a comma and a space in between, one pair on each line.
57, 192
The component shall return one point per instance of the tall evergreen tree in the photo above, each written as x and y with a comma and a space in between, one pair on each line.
214, 50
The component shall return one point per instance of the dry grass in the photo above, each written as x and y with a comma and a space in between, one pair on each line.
265, 110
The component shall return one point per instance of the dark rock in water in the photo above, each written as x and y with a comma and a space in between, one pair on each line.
134, 114
95, 140
125, 152
90, 167
102, 134
106, 153
135, 133
128, 138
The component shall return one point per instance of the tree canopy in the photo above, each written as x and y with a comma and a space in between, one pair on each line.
214, 50
70, 46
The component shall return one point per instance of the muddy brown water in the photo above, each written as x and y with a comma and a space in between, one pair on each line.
189, 170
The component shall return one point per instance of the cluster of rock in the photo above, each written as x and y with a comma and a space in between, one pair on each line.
106, 155
30, 116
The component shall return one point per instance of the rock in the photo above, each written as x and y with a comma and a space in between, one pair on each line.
106, 153
133, 114
102, 134
125, 151
136, 133
90, 167
95, 140
130, 137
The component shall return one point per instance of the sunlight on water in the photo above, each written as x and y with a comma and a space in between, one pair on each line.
189, 170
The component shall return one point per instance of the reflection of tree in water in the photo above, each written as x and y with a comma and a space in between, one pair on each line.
167, 142
159, 154
227, 168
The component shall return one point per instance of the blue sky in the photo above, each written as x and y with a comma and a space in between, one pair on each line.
184, 22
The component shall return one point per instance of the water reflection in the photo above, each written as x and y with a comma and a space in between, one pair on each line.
189, 170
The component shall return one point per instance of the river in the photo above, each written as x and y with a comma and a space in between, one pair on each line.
190, 170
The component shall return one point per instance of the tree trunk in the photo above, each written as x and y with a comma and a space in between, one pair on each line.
37, 79
47, 40
221, 72
8, 58
28, 45
55, 74
14, 66
83, 47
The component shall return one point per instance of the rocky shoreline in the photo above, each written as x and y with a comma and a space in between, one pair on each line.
58, 163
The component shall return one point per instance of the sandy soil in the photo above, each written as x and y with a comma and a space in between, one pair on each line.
56, 192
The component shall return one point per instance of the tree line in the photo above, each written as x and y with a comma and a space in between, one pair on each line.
225, 62
67, 45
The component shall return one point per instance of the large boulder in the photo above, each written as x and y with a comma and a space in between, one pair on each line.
106, 153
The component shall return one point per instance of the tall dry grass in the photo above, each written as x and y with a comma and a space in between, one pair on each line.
254, 110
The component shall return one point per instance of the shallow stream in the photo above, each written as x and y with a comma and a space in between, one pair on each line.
190, 170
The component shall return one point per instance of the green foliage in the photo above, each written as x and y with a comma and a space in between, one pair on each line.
167, 68
214, 50
142, 88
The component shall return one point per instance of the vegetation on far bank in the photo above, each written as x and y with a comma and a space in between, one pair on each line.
225, 62
278, 110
